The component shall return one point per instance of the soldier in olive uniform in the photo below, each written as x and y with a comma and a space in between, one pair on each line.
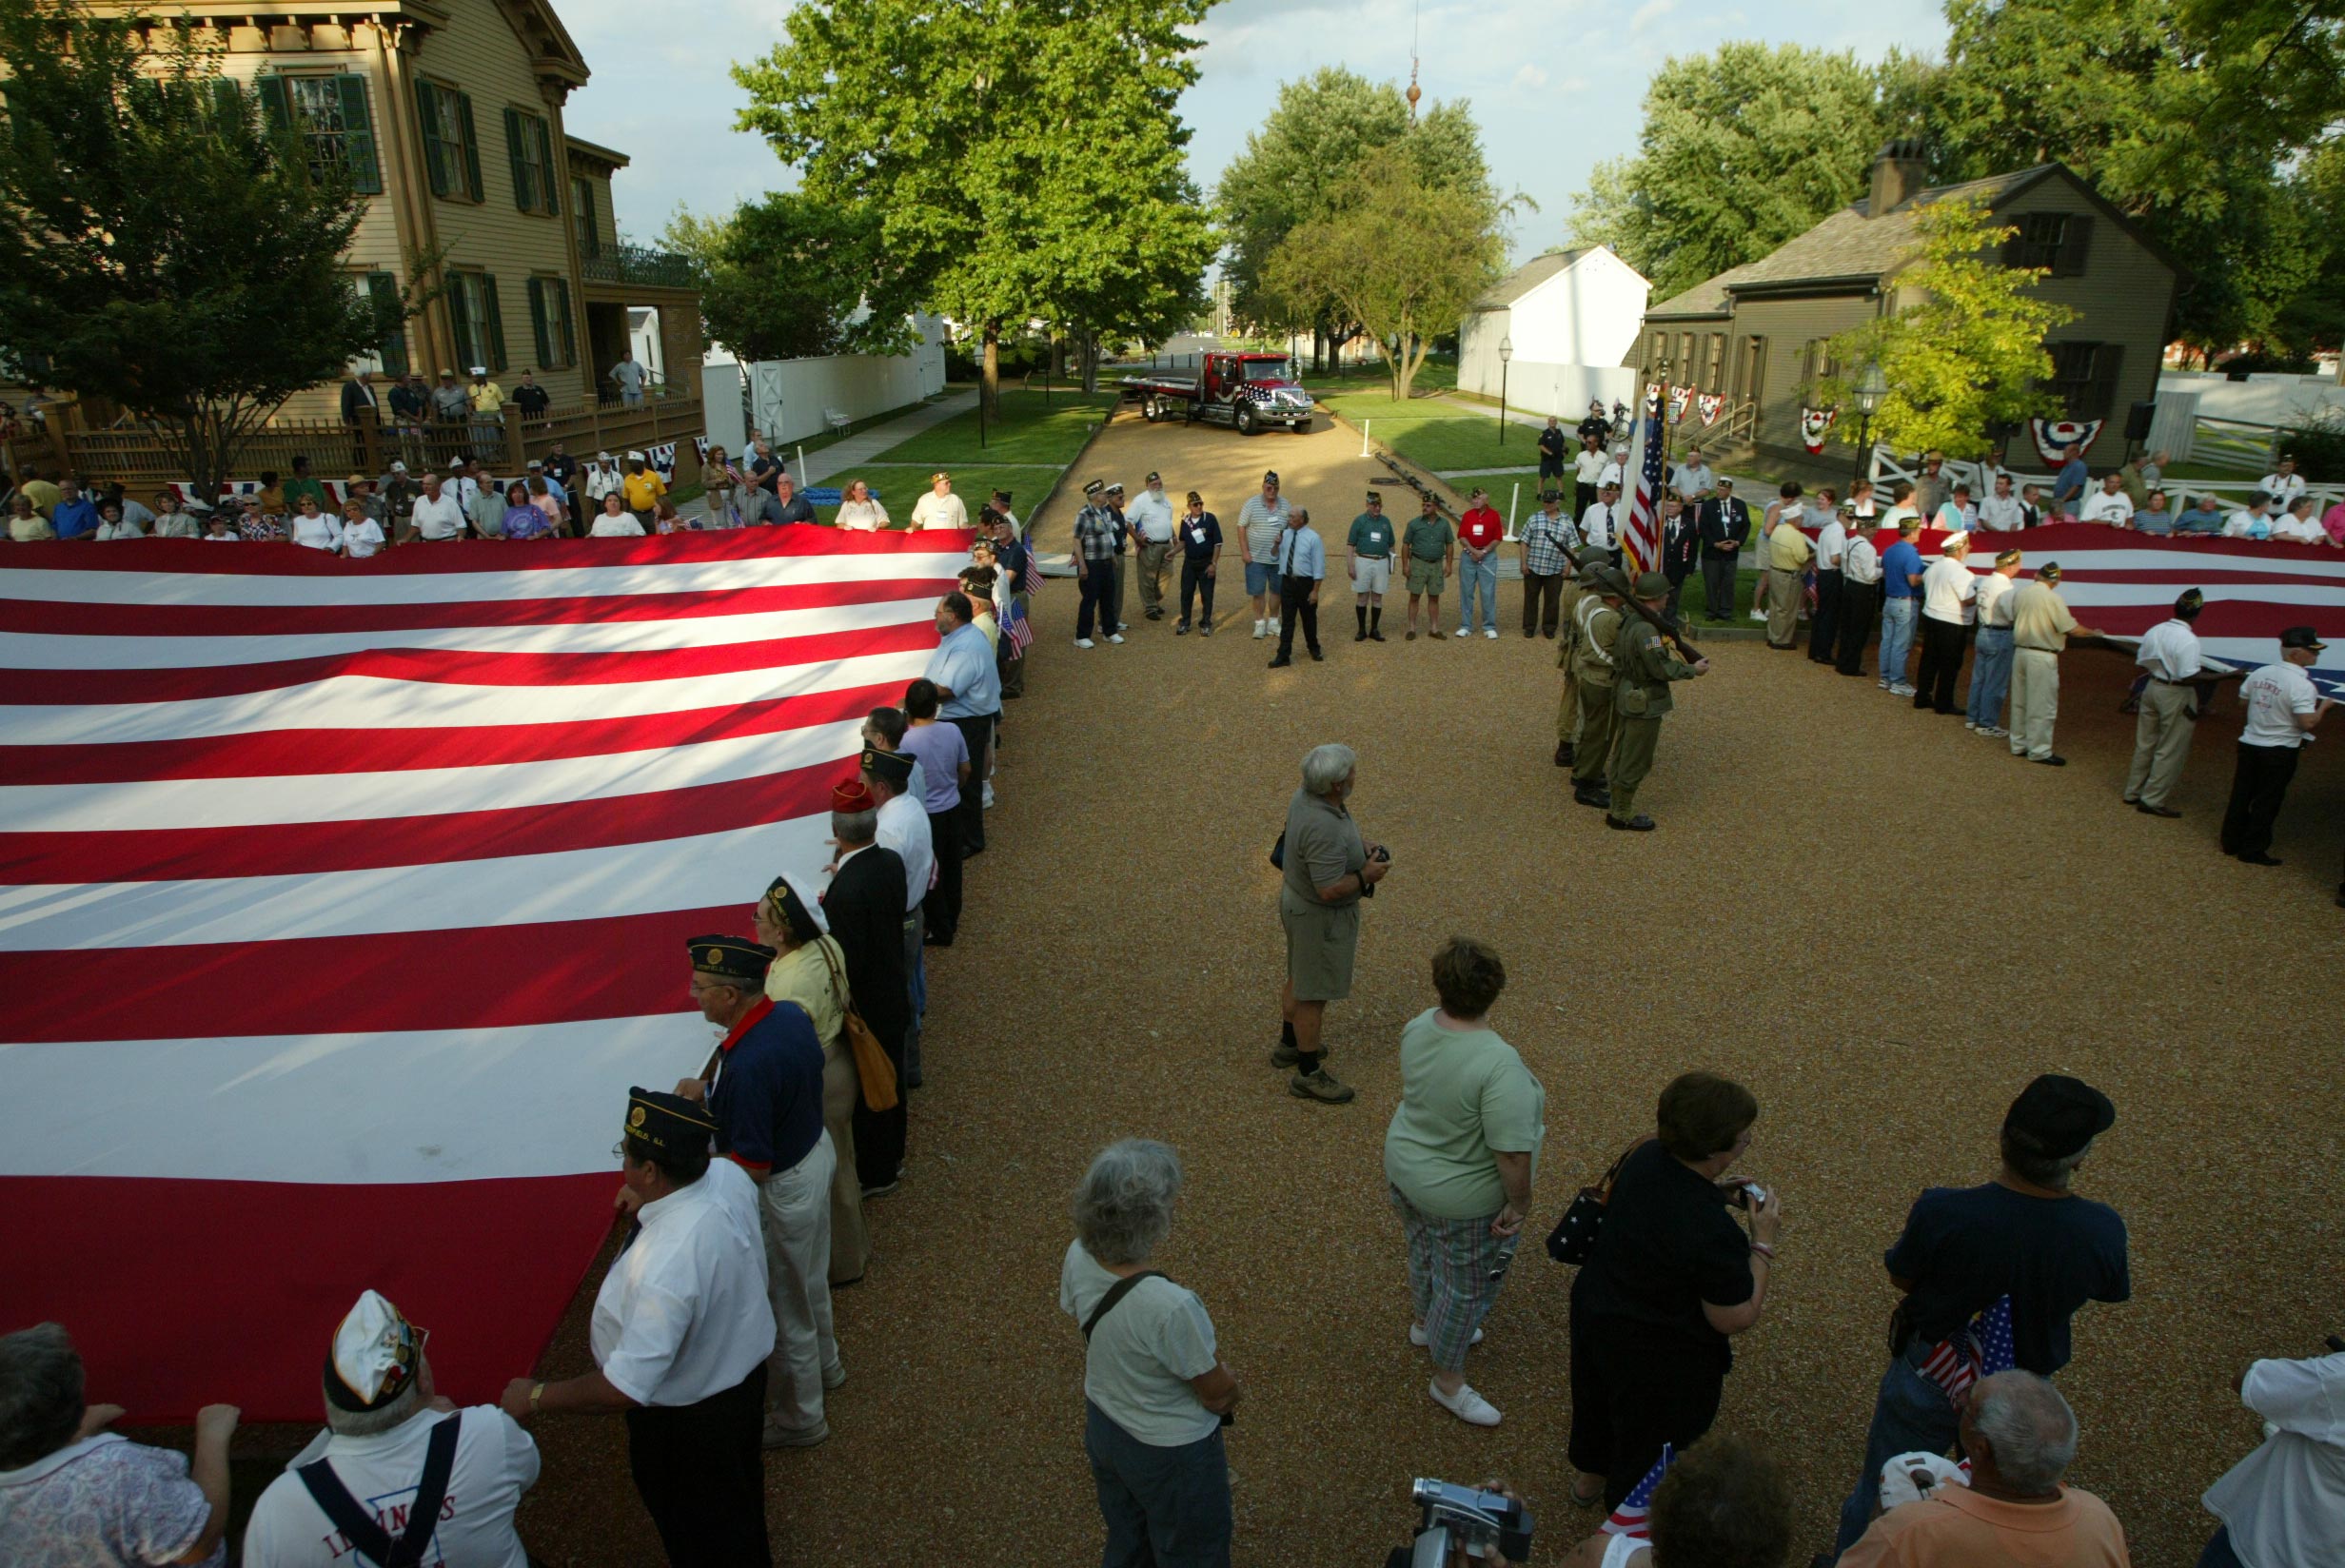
1567, 659
1641, 695
1596, 620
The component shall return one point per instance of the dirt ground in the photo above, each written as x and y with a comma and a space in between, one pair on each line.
1882, 924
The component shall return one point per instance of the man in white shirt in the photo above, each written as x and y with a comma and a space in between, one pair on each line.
394, 1460
2283, 1506
2252, 522
1695, 478
361, 535
2002, 512
1948, 590
2282, 708
601, 480
680, 1333
1859, 596
1615, 473
1990, 662
2109, 504
1596, 524
2169, 653
940, 507
1149, 518
2283, 484
436, 517
1831, 550
312, 528
1586, 473
903, 826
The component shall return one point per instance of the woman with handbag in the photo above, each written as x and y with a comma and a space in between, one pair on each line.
809, 969
1459, 1155
1670, 1278
1155, 1392
1327, 868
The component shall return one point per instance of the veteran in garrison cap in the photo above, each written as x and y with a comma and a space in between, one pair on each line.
1642, 669
764, 1090
681, 1331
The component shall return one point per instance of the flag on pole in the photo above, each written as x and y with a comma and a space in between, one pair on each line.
1639, 537
1019, 627
1631, 1518
1979, 1350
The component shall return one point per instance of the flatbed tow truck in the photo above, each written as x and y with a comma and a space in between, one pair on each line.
1246, 392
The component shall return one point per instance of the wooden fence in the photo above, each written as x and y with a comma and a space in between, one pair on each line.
135, 457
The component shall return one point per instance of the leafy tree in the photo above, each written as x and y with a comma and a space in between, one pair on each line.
1741, 150
1968, 352
783, 278
159, 246
1303, 153
1401, 256
1013, 157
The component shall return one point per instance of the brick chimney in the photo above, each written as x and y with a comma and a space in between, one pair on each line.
1897, 176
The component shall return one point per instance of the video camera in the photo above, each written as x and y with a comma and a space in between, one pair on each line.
1462, 1517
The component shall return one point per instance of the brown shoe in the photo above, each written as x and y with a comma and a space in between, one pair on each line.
1320, 1086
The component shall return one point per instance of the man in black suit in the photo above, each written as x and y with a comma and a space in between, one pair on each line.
1680, 546
865, 908
359, 410
1723, 523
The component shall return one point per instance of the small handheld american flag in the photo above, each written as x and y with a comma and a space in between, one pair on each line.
1980, 1350
1630, 1519
1019, 628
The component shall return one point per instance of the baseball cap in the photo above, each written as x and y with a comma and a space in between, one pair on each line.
2301, 636
2059, 1114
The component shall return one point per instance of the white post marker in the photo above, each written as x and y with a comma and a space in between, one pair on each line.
1365, 426
801, 463
1512, 501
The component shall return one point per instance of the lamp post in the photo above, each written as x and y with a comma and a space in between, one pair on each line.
1505, 355
1871, 388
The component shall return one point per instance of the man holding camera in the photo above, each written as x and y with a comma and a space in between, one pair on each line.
2025, 1235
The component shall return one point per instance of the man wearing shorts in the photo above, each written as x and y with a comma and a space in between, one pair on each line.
1370, 553
1259, 523
1426, 549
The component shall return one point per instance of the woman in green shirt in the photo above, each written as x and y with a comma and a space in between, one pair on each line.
1460, 1155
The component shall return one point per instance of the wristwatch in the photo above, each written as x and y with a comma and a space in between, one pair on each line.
537, 1392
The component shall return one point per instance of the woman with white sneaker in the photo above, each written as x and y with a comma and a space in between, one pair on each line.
1460, 1155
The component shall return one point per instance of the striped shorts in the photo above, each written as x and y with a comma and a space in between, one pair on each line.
1455, 1268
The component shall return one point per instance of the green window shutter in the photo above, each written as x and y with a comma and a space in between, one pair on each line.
436, 164
537, 320
518, 154
493, 323
548, 175
460, 316
358, 136
227, 100
276, 103
2075, 244
472, 145
383, 289
569, 338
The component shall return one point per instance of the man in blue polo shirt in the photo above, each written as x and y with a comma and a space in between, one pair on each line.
2025, 1235
967, 693
766, 1097
1901, 578
2068, 490
74, 515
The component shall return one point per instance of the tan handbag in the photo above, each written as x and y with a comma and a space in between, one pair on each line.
871, 1067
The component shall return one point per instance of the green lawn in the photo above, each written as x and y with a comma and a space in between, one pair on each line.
1433, 376
898, 488
1029, 430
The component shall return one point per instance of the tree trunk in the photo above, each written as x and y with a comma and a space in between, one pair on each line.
1058, 359
989, 379
1091, 361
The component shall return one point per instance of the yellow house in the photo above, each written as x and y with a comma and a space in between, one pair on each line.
449, 114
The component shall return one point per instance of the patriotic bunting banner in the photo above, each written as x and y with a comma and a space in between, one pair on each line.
699, 446
660, 460
1815, 424
1652, 398
1710, 405
2054, 437
1679, 398
347, 899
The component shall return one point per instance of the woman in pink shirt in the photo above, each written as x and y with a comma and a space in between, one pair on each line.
2333, 521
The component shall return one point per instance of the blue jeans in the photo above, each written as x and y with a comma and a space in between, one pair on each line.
1911, 1414
1471, 574
2218, 1552
1164, 1507
1897, 639
1990, 676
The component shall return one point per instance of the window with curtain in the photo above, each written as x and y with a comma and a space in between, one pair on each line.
550, 324
529, 141
479, 322
389, 357
330, 117
451, 148
582, 207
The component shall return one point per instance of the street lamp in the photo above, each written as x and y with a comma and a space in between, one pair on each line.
1871, 388
1505, 354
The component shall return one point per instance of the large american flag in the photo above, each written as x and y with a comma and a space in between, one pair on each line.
1633, 1517
1980, 1349
343, 901
1639, 537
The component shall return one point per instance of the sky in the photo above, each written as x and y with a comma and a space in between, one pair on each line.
1556, 85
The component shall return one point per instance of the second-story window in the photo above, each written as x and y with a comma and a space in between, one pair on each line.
530, 142
582, 209
451, 150
328, 115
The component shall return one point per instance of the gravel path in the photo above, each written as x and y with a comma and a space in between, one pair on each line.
1882, 924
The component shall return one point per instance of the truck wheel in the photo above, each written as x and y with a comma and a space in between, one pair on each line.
1302, 426
1246, 424
1150, 409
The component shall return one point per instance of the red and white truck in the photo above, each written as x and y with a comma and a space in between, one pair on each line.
1245, 391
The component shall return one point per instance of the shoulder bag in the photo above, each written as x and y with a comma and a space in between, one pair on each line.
1116, 1292
368, 1536
1573, 1239
872, 1066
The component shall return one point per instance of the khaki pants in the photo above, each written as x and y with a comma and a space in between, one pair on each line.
1784, 592
1632, 759
1597, 728
794, 1206
1153, 577
841, 1087
2161, 743
2035, 701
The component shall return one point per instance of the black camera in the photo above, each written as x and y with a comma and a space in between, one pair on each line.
1452, 1517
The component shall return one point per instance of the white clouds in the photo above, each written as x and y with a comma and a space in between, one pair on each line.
1650, 13
1530, 75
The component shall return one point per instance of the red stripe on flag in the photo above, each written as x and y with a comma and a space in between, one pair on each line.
459, 668
191, 557
269, 754
256, 1274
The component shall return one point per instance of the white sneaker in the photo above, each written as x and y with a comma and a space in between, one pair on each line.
1465, 1404
1462, 632
1085, 643
1273, 626
1417, 1336
1258, 629
989, 797
1902, 689
1115, 637
1997, 731
1490, 632
1968, 725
